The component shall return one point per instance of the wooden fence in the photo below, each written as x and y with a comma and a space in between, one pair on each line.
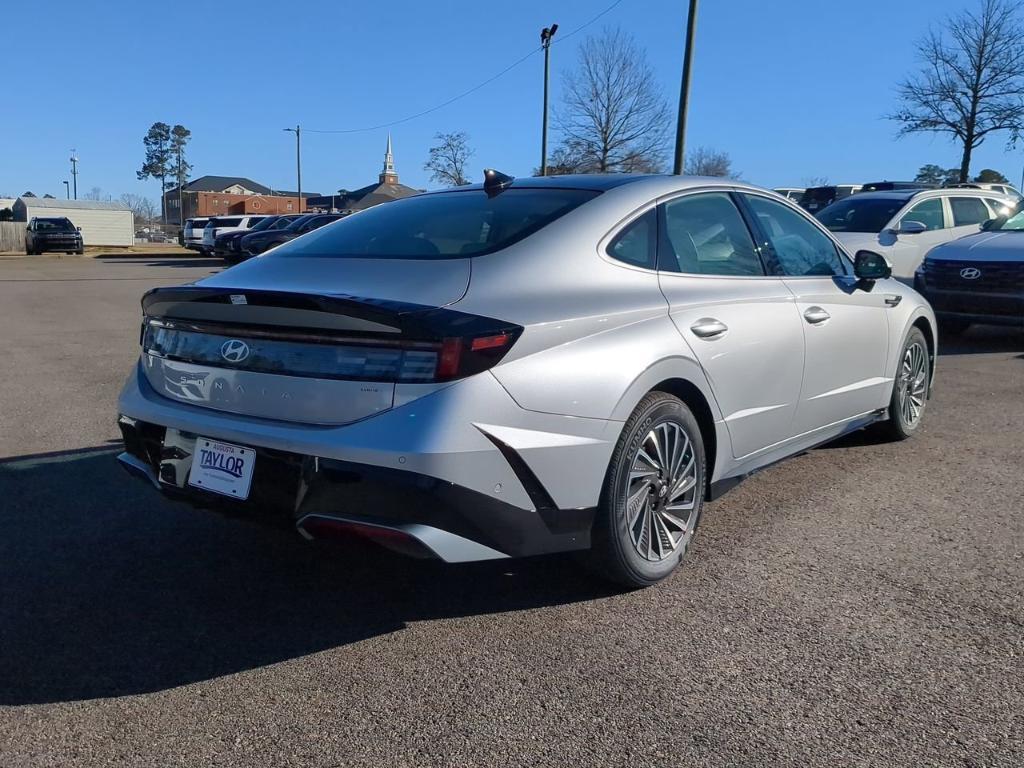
12, 236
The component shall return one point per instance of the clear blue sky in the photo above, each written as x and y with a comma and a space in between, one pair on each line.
789, 89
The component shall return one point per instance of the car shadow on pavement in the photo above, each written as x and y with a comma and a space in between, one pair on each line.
107, 589
187, 262
982, 339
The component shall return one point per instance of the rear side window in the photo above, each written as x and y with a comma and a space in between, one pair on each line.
968, 210
704, 234
441, 226
636, 244
226, 222
800, 247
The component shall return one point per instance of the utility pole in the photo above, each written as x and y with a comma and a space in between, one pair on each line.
67, 189
74, 171
181, 183
297, 130
684, 91
545, 42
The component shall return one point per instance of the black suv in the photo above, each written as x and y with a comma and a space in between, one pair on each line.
53, 235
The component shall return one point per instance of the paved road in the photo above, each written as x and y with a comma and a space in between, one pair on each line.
858, 605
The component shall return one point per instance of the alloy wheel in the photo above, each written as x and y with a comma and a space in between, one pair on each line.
662, 492
913, 384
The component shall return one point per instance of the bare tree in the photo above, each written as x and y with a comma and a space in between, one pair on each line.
814, 181
143, 209
613, 118
447, 162
971, 83
94, 194
704, 161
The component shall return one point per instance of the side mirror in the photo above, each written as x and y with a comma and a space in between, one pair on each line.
868, 265
79, 229
911, 227
987, 225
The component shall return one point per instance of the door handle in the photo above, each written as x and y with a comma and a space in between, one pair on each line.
709, 328
816, 315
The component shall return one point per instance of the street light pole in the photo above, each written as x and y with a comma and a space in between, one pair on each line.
545, 42
67, 189
74, 171
684, 91
297, 130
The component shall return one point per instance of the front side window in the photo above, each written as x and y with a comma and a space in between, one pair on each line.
635, 245
800, 247
445, 225
704, 234
928, 212
968, 210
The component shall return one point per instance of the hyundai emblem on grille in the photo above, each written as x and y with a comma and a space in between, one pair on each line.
970, 273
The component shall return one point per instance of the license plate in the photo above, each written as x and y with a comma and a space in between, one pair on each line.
222, 468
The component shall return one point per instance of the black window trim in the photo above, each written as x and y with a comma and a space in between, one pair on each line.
763, 243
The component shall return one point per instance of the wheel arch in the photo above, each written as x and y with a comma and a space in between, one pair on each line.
695, 400
927, 327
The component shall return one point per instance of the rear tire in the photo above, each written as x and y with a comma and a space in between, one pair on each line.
652, 496
909, 389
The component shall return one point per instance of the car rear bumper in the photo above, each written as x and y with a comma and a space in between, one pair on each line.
450, 486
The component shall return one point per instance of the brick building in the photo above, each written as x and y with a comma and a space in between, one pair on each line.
223, 195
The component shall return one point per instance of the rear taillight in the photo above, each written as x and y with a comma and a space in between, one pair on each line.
459, 357
294, 353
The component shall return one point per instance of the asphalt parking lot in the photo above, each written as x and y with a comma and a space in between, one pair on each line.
862, 604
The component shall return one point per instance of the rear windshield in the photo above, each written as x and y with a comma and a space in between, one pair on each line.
859, 214
450, 225
224, 222
196, 223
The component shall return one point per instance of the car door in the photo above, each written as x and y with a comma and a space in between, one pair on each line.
908, 249
845, 327
739, 323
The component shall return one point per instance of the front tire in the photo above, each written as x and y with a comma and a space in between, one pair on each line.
652, 496
910, 388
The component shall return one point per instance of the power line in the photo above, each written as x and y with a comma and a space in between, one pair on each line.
472, 90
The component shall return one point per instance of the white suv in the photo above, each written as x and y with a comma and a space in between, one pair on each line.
218, 225
903, 225
193, 235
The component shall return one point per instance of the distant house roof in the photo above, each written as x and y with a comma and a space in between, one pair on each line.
293, 193
47, 202
220, 183
364, 197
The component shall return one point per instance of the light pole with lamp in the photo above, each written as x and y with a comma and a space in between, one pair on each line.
545, 42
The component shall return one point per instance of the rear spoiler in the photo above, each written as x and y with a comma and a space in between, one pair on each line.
319, 314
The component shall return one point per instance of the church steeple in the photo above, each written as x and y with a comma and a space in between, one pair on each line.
389, 175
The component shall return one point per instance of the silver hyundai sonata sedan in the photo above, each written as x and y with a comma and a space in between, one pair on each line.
523, 367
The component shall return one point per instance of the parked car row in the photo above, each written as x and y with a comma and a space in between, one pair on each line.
236, 238
815, 199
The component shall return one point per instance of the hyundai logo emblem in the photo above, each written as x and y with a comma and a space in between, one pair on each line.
234, 351
970, 273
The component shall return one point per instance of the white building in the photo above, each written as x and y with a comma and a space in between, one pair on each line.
102, 223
